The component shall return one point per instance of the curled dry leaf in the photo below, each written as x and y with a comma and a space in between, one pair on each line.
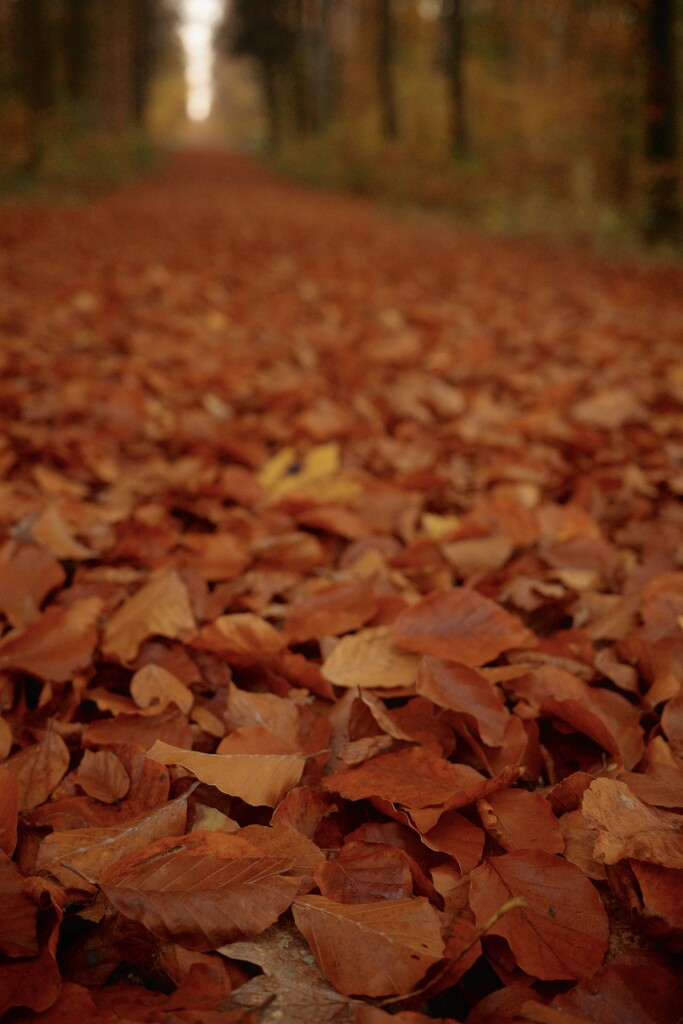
257, 778
388, 946
154, 687
561, 932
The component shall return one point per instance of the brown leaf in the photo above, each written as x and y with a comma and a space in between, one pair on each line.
79, 854
55, 646
201, 890
418, 782
364, 873
373, 949
330, 611
27, 575
102, 776
19, 913
160, 608
38, 769
465, 692
256, 778
626, 827
562, 931
9, 810
518, 820
459, 625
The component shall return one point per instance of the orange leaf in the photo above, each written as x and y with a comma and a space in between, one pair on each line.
561, 932
242, 638
19, 913
257, 778
370, 659
371, 949
459, 625
200, 890
160, 608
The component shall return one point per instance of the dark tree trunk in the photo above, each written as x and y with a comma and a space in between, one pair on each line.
33, 42
385, 78
76, 48
142, 12
454, 24
661, 142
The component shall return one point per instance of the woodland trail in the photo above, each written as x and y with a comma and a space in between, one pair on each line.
372, 530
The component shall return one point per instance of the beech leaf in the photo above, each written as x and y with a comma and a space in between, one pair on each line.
561, 932
200, 890
372, 949
256, 778
459, 625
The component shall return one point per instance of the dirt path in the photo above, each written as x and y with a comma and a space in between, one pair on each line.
388, 516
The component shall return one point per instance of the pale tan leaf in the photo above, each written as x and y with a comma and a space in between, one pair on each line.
160, 608
259, 779
154, 687
370, 659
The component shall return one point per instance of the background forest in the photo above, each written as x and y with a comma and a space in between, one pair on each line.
552, 116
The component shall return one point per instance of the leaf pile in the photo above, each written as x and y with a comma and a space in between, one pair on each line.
341, 587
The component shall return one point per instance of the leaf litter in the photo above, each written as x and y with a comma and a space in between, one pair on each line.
341, 592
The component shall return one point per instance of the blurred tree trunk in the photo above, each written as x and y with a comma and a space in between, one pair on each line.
76, 48
35, 63
142, 26
385, 77
454, 25
661, 141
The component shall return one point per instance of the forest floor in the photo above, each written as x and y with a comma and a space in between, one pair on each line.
342, 589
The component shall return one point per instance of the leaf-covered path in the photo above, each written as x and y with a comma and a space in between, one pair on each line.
341, 584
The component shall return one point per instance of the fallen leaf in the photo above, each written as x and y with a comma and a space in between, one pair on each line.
459, 625
201, 890
370, 659
256, 778
628, 828
373, 949
102, 776
160, 608
561, 932
38, 769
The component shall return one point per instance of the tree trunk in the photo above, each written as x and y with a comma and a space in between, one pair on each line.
661, 142
385, 78
454, 26
142, 19
33, 41
76, 48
